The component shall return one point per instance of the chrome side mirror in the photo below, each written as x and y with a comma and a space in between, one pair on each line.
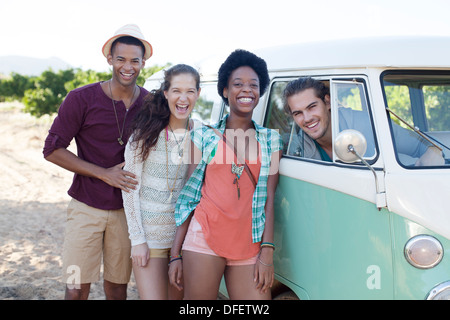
350, 145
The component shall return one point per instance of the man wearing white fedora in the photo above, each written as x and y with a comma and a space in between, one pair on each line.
98, 116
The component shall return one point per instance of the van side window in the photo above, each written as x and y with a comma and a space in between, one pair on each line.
296, 143
276, 118
203, 110
418, 104
349, 99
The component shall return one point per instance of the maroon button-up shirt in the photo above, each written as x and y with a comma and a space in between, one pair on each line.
87, 114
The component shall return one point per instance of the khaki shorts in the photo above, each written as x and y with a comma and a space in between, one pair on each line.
90, 235
159, 253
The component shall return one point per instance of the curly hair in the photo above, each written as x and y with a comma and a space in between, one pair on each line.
240, 58
154, 113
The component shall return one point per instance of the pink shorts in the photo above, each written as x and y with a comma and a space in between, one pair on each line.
195, 241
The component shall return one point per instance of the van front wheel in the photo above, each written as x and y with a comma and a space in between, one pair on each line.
288, 295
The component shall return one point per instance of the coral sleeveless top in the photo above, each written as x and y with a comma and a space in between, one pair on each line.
226, 220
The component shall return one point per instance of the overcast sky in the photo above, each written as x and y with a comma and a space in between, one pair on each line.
188, 31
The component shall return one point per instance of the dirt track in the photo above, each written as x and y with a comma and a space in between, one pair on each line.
33, 201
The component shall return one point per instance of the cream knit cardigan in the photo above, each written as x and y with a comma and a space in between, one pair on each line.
149, 209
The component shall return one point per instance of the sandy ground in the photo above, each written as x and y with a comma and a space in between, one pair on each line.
33, 201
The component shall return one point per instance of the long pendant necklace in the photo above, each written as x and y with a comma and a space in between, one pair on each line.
167, 164
236, 169
180, 145
119, 139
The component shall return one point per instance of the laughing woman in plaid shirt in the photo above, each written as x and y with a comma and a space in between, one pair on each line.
225, 212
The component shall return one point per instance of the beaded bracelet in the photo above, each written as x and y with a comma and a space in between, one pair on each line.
265, 264
174, 259
268, 244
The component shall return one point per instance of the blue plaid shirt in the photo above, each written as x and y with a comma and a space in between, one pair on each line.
206, 140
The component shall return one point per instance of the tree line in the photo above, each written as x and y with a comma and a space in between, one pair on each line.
44, 94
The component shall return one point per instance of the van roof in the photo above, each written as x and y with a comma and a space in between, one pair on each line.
367, 52
395, 52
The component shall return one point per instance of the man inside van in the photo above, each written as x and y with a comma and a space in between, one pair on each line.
308, 102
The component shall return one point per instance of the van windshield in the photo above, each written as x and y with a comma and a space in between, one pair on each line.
418, 107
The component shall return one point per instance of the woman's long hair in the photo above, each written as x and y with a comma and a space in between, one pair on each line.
154, 114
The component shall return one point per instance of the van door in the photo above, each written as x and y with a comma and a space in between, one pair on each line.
332, 241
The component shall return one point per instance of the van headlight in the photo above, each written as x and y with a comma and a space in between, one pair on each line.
440, 292
423, 251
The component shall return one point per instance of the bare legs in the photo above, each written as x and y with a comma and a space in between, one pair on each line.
203, 273
153, 281
113, 291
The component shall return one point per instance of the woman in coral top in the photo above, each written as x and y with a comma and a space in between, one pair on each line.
230, 194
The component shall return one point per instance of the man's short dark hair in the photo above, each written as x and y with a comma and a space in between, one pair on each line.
301, 84
130, 41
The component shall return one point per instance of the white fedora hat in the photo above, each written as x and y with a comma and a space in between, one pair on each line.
130, 30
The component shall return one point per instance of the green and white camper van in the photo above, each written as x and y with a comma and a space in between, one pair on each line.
370, 224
